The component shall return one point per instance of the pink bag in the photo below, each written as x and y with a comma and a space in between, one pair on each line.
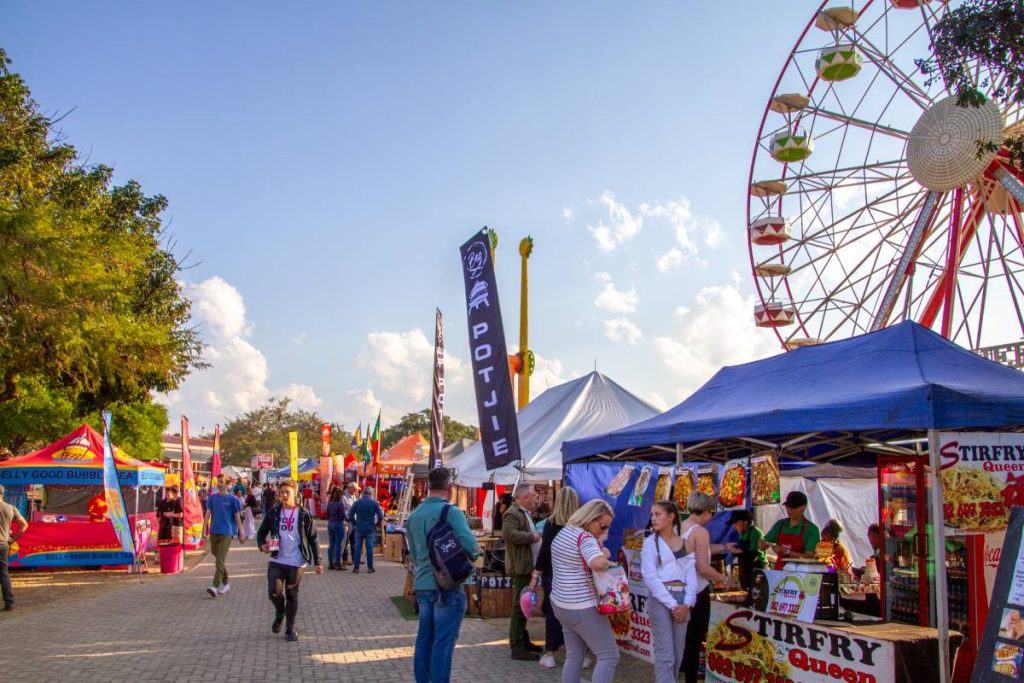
610, 586
528, 602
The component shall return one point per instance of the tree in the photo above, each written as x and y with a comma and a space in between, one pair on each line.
989, 34
265, 430
89, 303
420, 422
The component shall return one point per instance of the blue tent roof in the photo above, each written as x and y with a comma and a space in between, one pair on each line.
890, 384
306, 465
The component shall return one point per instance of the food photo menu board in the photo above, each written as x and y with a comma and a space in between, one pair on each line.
1001, 655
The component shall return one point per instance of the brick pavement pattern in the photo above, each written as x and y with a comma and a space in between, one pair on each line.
168, 629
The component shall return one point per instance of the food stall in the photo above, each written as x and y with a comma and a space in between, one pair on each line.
895, 392
59, 490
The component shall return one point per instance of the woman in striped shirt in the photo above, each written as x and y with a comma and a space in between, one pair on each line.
575, 552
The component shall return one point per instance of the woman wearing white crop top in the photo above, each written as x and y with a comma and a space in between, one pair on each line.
670, 575
698, 544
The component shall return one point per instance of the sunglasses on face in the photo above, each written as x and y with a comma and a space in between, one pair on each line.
603, 527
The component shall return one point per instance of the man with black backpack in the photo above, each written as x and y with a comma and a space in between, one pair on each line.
442, 549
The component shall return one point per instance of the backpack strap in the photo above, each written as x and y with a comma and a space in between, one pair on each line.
444, 514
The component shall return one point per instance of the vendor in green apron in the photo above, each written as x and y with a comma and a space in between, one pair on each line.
793, 537
749, 555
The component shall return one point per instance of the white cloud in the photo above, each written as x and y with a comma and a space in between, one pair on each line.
621, 227
299, 339
615, 300
567, 214
691, 232
658, 401
719, 330
622, 329
673, 258
237, 380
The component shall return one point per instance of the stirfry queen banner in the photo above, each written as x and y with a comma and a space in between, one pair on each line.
982, 478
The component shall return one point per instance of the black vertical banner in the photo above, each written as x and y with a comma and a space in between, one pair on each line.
437, 401
1001, 654
495, 405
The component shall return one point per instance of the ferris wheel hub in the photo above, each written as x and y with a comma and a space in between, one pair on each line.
942, 151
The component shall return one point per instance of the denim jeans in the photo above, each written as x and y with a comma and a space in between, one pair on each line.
441, 614
336, 539
363, 537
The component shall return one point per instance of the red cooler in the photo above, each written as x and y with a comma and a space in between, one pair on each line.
172, 559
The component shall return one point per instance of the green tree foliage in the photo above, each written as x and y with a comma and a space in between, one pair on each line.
91, 313
420, 422
989, 34
265, 430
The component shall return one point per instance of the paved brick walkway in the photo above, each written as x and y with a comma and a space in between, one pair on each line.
169, 629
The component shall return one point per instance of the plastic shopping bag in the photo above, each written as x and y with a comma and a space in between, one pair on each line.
612, 588
528, 602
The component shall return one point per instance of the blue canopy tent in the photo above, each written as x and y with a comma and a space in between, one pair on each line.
306, 466
828, 402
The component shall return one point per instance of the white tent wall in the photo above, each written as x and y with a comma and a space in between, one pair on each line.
854, 502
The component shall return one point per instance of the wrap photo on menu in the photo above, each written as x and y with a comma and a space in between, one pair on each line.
620, 480
640, 488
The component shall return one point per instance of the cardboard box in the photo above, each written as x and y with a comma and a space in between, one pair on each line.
393, 547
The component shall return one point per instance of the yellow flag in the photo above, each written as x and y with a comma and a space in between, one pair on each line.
293, 453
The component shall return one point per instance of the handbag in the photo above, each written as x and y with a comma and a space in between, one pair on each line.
610, 586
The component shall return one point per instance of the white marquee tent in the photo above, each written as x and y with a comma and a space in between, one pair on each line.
592, 404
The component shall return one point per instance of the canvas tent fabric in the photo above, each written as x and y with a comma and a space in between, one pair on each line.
837, 396
77, 460
306, 466
589, 405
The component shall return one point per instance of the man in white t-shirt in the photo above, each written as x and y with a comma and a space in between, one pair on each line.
288, 533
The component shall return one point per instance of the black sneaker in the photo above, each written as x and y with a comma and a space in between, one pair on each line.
356, 570
290, 635
525, 656
276, 626
371, 570
212, 590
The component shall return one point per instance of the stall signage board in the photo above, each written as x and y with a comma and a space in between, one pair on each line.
982, 478
1002, 642
632, 629
263, 461
793, 594
744, 645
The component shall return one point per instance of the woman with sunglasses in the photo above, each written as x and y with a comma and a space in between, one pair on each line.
576, 551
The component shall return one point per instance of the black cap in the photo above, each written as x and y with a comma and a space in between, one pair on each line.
795, 499
739, 516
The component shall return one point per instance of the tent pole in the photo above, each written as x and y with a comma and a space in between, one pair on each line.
939, 545
679, 456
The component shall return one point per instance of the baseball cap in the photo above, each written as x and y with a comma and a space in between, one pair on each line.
795, 499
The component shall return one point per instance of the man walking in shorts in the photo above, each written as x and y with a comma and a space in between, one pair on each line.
223, 522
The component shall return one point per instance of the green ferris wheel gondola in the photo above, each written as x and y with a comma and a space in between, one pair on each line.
839, 63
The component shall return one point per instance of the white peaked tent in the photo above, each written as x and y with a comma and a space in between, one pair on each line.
592, 404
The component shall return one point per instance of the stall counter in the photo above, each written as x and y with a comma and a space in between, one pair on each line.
750, 646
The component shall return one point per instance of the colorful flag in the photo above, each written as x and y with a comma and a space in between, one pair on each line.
375, 441
192, 517
116, 508
495, 404
357, 438
215, 463
293, 454
326, 464
437, 400
365, 444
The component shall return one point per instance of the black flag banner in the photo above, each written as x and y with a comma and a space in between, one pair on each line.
496, 408
437, 401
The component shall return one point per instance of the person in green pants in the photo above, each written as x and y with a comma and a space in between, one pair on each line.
223, 521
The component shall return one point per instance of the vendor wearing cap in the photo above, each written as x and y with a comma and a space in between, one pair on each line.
793, 537
748, 552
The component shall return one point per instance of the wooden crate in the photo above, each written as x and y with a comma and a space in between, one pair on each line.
495, 591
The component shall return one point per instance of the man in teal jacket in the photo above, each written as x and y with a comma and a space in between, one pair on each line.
441, 612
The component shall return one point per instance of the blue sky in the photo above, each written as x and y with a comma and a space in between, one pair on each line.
324, 162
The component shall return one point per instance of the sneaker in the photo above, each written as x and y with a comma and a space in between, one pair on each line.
290, 635
525, 656
212, 590
276, 626
370, 570
224, 589
548, 661
587, 662
356, 570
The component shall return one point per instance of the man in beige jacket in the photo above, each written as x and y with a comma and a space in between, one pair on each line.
521, 545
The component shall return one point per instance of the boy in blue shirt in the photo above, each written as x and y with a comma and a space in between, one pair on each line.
223, 520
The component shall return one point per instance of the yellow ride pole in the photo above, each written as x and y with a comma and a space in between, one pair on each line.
526, 360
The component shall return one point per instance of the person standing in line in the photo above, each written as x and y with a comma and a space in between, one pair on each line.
698, 543
223, 521
348, 552
365, 516
567, 501
288, 534
268, 498
670, 575
249, 514
441, 612
336, 513
522, 547
9, 516
575, 552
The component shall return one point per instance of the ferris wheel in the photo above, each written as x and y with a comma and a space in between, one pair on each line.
868, 202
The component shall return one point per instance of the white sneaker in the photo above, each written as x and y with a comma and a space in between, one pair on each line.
212, 590
587, 661
224, 589
548, 661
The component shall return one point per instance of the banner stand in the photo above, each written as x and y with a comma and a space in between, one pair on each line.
939, 547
